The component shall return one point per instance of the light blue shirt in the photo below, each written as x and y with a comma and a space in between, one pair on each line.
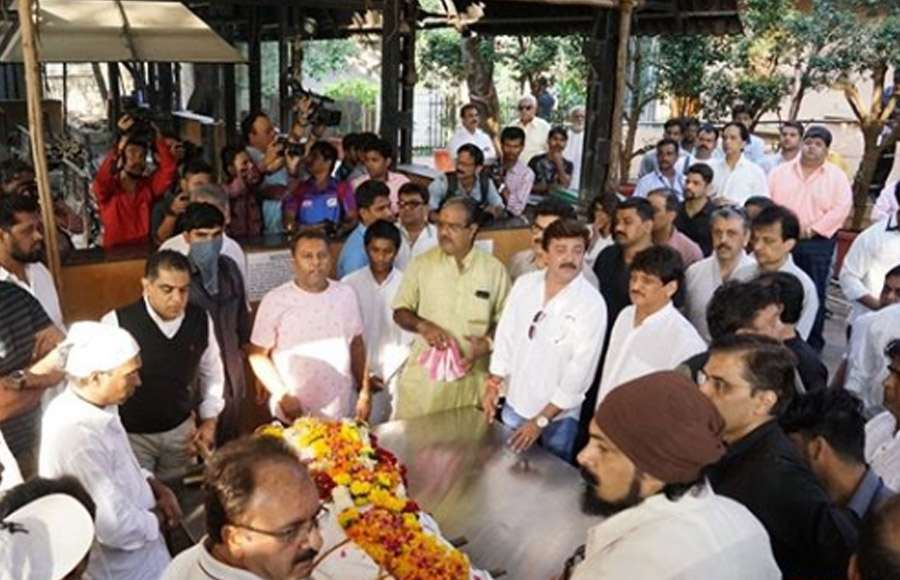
656, 180
353, 254
271, 208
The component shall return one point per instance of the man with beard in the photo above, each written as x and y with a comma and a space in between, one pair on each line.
547, 375
707, 148
575, 145
695, 214
730, 234
124, 194
21, 251
262, 516
650, 443
789, 146
666, 175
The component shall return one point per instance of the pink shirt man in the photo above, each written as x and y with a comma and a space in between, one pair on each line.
310, 336
394, 181
821, 201
689, 250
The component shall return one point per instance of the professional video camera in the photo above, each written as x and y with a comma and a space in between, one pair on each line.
321, 110
144, 118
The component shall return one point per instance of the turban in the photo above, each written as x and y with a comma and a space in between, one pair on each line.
94, 347
819, 132
664, 425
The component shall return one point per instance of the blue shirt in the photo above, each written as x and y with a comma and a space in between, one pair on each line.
353, 254
271, 208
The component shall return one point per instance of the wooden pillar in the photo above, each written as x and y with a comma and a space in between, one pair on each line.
36, 132
390, 72
408, 79
284, 104
600, 54
230, 98
255, 65
114, 95
626, 10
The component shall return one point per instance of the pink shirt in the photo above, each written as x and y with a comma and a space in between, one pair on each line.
688, 248
310, 336
394, 181
822, 201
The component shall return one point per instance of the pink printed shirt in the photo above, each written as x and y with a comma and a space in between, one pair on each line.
310, 336
821, 201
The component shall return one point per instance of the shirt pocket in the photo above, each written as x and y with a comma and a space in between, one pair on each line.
478, 310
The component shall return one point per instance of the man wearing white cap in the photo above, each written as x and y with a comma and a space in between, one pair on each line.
83, 436
46, 539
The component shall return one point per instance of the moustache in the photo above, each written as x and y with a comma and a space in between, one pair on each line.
305, 556
723, 247
588, 477
570, 266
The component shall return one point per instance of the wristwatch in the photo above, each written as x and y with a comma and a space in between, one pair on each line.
17, 379
541, 421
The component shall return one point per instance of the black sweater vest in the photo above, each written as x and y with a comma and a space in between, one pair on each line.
167, 395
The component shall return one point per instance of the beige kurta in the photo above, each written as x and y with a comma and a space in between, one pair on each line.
465, 301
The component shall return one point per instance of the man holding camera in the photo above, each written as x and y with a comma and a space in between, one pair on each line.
124, 192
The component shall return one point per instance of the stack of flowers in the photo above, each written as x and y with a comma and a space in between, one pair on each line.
366, 488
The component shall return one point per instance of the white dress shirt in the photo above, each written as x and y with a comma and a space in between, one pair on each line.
479, 138
40, 285
656, 180
867, 365
810, 297
548, 352
210, 372
428, 238
573, 152
701, 536
886, 204
873, 254
664, 340
387, 345
883, 448
230, 248
737, 185
89, 442
701, 281
11, 475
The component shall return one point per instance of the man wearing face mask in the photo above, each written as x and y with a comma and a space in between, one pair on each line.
178, 347
218, 287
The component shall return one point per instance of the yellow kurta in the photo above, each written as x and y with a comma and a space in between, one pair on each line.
462, 302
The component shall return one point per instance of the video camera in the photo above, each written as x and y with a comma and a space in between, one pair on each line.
143, 131
322, 111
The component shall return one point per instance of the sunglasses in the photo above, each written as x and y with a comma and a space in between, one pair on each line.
525, 107
534, 322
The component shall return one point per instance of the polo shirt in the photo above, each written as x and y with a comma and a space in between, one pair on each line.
313, 206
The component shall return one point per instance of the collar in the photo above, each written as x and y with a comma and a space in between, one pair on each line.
660, 314
157, 319
213, 569
429, 231
890, 226
765, 430
868, 490
466, 262
7, 276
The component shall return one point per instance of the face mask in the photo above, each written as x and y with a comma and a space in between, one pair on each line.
205, 255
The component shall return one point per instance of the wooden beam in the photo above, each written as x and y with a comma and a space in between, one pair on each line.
36, 134
626, 11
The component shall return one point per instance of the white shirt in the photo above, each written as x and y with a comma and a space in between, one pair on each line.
536, 133
867, 365
81, 439
479, 138
210, 372
196, 563
883, 448
886, 204
230, 248
656, 180
428, 238
40, 285
11, 475
573, 152
387, 345
737, 185
597, 245
873, 254
701, 536
548, 352
810, 297
664, 340
701, 281
756, 149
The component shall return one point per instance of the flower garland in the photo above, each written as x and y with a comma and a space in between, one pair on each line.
367, 486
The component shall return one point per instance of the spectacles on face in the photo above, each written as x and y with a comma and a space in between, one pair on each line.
450, 226
721, 386
290, 534
525, 107
534, 322
410, 204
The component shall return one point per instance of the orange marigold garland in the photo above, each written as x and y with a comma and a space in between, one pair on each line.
367, 486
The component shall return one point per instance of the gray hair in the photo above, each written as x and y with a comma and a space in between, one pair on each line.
530, 99
728, 212
576, 109
213, 194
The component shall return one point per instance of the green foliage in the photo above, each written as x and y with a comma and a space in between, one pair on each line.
324, 57
682, 63
361, 91
440, 57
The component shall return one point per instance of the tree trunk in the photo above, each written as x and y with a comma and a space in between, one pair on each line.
867, 165
626, 9
635, 106
480, 80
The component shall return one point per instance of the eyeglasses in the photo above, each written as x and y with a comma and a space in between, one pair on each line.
534, 322
291, 533
455, 228
410, 204
721, 386
525, 107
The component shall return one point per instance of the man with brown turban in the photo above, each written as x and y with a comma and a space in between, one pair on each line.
650, 441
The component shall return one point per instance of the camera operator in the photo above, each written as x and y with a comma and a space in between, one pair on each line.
124, 192
164, 217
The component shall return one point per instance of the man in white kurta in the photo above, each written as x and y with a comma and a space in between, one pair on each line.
547, 345
649, 335
82, 435
872, 255
867, 367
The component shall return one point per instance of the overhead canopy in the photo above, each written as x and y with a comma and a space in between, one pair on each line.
119, 31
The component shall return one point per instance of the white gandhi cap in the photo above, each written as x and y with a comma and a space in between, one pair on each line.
94, 347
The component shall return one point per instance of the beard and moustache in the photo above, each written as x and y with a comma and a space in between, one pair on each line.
34, 256
592, 505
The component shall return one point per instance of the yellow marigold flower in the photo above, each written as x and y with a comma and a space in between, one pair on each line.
342, 479
360, 487
347, 517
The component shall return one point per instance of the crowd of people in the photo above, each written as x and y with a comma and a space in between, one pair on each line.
669, 344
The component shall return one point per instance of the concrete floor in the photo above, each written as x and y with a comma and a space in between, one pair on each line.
835, 328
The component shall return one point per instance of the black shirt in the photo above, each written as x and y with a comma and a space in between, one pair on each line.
614, 276
699, 227
766, 473
813, 373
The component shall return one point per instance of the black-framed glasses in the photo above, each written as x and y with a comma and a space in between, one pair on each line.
289, 534
534, 322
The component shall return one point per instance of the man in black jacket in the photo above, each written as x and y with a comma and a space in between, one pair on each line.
750, 380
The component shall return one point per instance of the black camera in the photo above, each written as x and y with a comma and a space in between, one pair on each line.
322, 109
291, 148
